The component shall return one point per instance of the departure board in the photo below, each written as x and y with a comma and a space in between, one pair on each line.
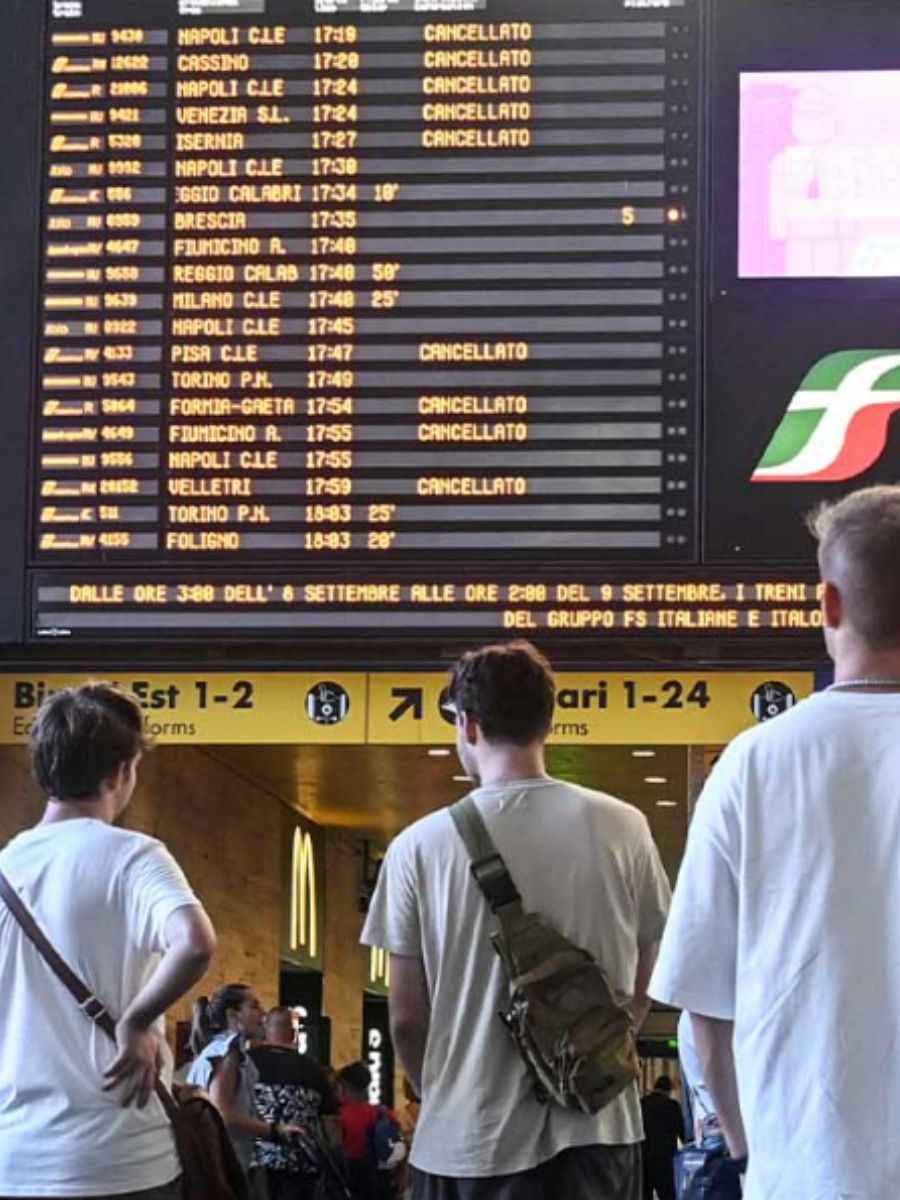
348, 286
362, 318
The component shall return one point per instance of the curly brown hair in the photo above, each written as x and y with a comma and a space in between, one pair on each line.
508, 689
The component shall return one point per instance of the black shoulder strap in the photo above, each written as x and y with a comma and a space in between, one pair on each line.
92, 1008
488, 868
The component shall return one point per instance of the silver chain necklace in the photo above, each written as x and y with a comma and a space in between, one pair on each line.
865, 684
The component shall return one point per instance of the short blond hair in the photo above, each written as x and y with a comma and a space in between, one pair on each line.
859, 548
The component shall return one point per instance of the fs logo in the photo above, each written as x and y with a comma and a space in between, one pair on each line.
836, 427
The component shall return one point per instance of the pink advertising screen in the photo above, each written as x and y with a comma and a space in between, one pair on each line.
819, 175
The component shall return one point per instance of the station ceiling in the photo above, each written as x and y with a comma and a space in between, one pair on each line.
376, 791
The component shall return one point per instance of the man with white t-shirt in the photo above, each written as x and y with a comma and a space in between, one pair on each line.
587, 865
783, 940
77, 1114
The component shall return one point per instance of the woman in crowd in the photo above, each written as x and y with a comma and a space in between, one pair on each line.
222, 1028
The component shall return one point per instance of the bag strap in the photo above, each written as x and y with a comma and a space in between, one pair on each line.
488, 867
92, 1008
333, 1165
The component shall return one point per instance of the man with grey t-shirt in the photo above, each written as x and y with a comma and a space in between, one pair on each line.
583, 861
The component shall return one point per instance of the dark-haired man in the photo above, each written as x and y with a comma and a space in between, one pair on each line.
782, 943
663, 1130
77, 1113
583, 861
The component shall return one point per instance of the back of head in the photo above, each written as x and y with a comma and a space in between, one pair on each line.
859, 552
508, 689
279, 1025
210, 1016
81, 736
355, 1079
663, 1084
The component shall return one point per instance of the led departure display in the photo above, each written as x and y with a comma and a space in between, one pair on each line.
283, 605
334, 290
368, 288
411, 319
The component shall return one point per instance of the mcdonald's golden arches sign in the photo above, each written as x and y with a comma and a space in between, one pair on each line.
303, 910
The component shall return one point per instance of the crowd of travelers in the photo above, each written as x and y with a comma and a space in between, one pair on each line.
536, 899
295, 1126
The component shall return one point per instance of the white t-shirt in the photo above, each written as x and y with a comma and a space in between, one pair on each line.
785, 921
103, 897
584, 862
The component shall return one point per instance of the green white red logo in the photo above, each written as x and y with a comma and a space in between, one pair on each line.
836, 426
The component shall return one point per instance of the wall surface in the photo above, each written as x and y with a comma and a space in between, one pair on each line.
346, 962
225, 832
20, 804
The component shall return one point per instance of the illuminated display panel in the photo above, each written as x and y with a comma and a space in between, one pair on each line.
373, 322
337, 294
801, 347
122, 605
819, 174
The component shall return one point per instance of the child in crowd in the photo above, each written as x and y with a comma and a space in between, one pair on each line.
373, 1145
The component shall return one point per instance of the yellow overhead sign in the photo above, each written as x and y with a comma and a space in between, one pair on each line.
603, 708
273, 708
251, 708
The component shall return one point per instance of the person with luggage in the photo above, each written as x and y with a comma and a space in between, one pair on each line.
292, 1089
781, 944
78, 1113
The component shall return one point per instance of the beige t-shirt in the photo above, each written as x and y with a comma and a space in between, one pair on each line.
587, 864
